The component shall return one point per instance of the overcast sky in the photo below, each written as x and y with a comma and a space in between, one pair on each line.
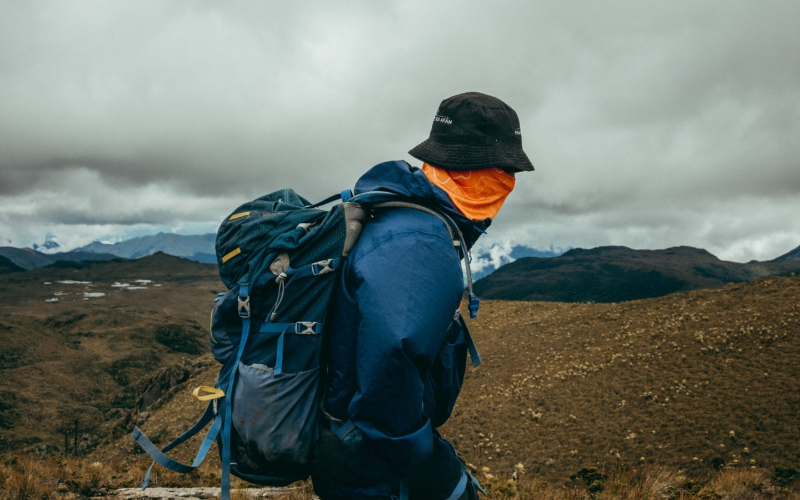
650, 124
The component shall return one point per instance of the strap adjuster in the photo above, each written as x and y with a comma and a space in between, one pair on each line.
309, 328
244, 307
315, 269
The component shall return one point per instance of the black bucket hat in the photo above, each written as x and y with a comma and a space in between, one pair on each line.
472, 131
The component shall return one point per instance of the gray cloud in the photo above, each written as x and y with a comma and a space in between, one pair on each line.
649, 124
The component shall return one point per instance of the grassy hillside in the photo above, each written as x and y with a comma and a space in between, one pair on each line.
7, 266
692, 381
77, 343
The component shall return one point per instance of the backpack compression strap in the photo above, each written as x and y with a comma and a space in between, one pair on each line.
160, 455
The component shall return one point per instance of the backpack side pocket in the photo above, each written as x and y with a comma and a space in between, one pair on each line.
275, 416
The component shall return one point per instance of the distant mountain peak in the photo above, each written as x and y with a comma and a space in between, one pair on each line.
198, 247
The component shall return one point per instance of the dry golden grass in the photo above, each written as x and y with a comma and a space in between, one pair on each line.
29, 478
682, 382
85, 358
689, 380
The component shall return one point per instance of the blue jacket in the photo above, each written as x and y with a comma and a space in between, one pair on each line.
397, 357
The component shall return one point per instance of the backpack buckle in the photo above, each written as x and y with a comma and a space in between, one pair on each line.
244, 307
315, 269
308, 328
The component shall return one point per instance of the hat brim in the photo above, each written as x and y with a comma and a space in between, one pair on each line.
472, 156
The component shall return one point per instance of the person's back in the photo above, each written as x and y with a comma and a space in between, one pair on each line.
397, 355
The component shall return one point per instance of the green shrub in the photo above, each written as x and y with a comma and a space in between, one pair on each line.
784, 476
178, 338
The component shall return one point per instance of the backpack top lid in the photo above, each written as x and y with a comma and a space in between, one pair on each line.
269, 224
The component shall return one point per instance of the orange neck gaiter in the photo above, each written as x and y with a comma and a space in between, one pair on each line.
477, 194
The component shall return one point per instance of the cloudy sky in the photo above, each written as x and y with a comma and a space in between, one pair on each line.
651, 124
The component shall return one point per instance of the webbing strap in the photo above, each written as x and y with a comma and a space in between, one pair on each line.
313, 269
225, 494
404, 489
473, 351
460, 487
211, 435
162, 459
327, 200
300, 328
477, 484
279, 356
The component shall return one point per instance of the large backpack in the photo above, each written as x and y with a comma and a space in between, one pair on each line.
280, 258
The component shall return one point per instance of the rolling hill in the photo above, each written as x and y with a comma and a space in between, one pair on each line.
689, 381
77, 343
7, 266
614, 274
28, 258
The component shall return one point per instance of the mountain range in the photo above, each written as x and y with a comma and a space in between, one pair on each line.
200, 248
197, 247
602, 274
28, 258
616, 274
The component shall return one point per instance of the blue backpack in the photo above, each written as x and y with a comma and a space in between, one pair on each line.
279, 256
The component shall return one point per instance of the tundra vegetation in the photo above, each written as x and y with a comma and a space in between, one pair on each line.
30, 478
690, 395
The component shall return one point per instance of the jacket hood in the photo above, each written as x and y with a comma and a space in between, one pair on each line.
399, 177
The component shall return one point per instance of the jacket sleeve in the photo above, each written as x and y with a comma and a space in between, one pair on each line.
407, 288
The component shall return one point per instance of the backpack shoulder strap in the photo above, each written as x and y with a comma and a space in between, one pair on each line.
455, 234
383, 199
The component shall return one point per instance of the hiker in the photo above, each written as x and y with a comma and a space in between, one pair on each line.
397, 357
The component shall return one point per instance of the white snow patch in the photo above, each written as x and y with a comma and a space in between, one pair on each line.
73, 282
136, 288
93, 294
159, 284
120, 285
144, 282
47, 283
61, 293
52, 300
